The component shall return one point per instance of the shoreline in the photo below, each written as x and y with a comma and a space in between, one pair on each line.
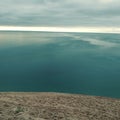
64, 93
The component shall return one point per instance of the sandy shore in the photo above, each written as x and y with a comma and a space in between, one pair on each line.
57, 106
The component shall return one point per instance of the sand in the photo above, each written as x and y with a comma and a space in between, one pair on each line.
57, 106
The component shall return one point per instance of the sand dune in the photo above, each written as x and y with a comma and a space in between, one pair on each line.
57, 106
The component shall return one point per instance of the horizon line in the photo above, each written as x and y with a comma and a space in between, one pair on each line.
62, 29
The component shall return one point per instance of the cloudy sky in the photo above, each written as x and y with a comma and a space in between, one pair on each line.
60, 13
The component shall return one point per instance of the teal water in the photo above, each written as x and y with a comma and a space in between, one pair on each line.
84, 63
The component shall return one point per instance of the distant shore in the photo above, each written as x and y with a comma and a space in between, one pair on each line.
57, 106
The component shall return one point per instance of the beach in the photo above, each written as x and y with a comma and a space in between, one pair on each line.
57, 106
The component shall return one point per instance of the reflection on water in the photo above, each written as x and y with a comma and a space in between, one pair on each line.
60, 62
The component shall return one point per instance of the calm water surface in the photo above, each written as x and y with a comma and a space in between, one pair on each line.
60, 62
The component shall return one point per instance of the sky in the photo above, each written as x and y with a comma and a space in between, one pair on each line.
60, 13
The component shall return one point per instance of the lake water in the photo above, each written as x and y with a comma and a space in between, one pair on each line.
84, 63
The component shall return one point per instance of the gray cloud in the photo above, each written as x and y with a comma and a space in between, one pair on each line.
60, 12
